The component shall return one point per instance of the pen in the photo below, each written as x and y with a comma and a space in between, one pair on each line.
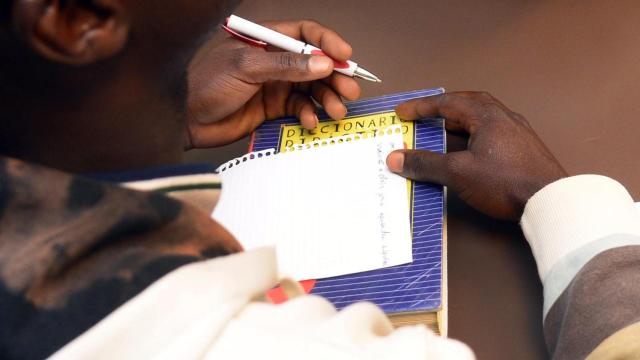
261, 36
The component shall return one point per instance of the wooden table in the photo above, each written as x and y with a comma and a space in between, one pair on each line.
572, 68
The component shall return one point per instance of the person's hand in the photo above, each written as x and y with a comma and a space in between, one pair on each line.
233, 87
505, 162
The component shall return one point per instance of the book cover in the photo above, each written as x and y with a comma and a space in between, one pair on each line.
410, 288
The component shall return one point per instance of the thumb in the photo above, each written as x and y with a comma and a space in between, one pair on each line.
259, 67
420, 165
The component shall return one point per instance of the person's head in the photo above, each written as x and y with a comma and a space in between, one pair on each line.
74, 73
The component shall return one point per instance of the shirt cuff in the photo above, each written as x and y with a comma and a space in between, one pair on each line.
572, 212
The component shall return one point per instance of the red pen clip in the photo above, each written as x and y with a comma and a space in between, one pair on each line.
243, 38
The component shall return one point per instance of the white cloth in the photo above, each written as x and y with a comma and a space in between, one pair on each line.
209, 310
572, 212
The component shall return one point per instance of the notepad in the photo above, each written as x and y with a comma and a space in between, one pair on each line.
330, 207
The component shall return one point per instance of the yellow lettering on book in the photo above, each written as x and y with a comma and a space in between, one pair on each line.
368, 124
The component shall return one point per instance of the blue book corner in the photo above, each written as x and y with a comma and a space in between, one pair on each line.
405, 288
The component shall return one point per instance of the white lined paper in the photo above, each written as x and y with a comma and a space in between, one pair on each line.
330, 207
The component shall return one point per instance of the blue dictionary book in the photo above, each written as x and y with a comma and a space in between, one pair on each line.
410, 293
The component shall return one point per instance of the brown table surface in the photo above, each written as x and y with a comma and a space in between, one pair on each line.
571, 67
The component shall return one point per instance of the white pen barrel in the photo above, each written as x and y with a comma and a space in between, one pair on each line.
259, 32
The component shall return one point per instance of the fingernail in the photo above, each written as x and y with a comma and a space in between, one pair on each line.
395, 161
320, 64
317, 120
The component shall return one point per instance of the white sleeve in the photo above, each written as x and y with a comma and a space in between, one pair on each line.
573, 212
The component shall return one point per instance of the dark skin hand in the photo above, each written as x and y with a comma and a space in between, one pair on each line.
505, 162
234, 87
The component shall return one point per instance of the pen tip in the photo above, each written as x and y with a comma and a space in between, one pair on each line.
365, 75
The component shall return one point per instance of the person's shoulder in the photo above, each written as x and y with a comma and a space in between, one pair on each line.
196, 184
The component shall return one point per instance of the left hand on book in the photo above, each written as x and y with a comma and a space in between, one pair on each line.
233, 87
505, 162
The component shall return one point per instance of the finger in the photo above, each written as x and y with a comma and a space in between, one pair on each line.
275, 95
257, 66
418, 165
304, 109
416, 108
461, 112
481, 96
428, 166
235, 126
316, 34
329, 100
345, 86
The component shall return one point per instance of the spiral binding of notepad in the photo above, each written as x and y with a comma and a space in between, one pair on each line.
393, 129
242, 159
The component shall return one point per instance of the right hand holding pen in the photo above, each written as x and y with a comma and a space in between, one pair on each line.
505, 162
233, 87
